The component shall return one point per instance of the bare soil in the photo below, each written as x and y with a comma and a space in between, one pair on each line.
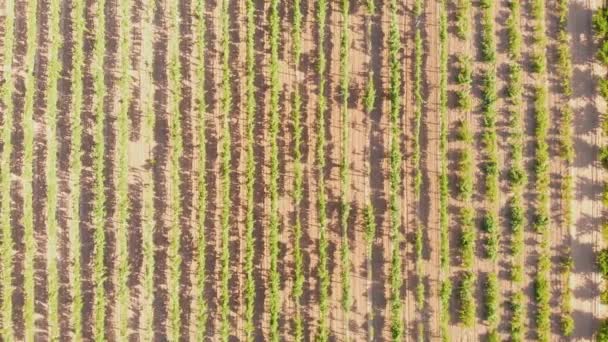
368, 145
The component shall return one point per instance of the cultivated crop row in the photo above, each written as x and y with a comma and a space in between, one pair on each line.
369, 216
174, 259
465, 169
491, 167
417, 182
542, 290
345, 206
445, 291
564, 73
7, 244
78, 24
29, 240
99, 197
516, 175
122, 164
489, 137
54, 69
250, 167
298, 177
225, 171
395, 157
274, 277
323, 272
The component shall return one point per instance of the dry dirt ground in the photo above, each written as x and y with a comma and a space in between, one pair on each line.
368, 146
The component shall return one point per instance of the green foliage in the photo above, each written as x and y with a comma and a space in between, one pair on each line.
513, 30
395, 157
250, 170
490, 226
463, 13
298, 282
225, 158
488, 45
99, 210
602, 333
323, 272
600, 23
602, 262
517, 328
445, 293
346, 300
467, 237
492, 300
273, 129
174, 259
466, 296
122, 186
7, 245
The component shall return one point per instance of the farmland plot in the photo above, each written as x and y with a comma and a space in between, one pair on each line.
330, 170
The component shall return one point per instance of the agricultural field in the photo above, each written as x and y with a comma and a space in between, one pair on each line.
328, 170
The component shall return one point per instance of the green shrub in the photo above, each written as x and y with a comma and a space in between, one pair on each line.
467, 299
602, 262
602, 333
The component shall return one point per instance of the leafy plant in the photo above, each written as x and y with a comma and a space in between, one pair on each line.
467, 299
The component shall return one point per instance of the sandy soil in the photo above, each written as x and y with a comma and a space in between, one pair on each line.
368, 318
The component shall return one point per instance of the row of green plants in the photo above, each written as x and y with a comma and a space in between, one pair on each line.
174, 259
7, 245
516, 174
542, 290
122, 184
465, 169
275, 278
369, 216
54, 70
146, 322
489, 96
250, 167
99, 197
600, 28
78, 25
298, 175
345, 206
225, 156
445, 290
395, 157
324, 279
29, 239
564, 73
417, 182
492, 306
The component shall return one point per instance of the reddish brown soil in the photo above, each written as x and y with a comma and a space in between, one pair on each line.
368, 318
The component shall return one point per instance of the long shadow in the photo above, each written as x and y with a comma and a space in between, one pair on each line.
38, 169
309, 244
236, 139
111, 107
260, 184
209, 168
186, 173
64, 136
161, 160
376, 151
86, 176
